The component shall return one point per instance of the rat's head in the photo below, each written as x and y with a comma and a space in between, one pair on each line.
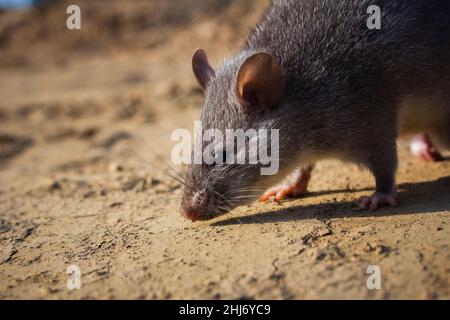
241, 100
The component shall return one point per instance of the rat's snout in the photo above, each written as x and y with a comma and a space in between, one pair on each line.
203, 205
190, 214
191, 206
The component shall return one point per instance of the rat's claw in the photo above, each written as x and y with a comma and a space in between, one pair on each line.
422, 148
374, 201
269, 193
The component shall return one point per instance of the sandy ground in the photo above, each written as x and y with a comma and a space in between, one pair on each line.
83, 141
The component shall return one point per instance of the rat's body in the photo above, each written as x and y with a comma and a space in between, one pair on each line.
347, 93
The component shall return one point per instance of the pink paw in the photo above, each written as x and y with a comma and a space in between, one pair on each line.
374, 201
422, 148
295, 189
284, 191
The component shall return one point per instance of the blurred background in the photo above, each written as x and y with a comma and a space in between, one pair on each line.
127, 69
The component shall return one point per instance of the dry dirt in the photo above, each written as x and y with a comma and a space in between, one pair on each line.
86, 118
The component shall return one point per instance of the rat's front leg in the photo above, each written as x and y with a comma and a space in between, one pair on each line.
297, 186
382, 162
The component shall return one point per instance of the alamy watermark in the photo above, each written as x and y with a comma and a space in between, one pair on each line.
374, 19
236, 146
374, 280
73, 22
74, 277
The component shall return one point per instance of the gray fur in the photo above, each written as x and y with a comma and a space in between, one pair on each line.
345, 90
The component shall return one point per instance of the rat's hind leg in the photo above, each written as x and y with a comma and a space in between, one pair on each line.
382, 162
428, 116
296, 187
423, 148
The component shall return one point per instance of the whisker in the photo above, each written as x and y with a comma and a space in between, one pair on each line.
221, 196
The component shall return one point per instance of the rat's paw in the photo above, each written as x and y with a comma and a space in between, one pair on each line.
296, 188
283, 192
423, 149
374, 201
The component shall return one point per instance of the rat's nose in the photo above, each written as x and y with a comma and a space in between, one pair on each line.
190, 214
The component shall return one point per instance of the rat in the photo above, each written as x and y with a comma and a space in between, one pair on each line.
334, 88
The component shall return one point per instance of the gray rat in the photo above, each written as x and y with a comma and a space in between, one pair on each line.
334, 88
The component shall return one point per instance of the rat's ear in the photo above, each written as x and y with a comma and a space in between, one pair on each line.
202, 70
260, 81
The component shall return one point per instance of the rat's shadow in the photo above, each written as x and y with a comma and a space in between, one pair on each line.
421, 197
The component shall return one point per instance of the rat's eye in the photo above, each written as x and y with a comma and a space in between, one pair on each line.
220, 156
